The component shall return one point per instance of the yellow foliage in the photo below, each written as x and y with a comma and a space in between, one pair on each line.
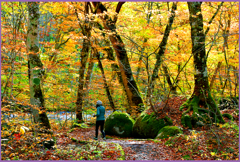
22, 130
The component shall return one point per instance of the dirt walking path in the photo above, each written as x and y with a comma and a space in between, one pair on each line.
134, 149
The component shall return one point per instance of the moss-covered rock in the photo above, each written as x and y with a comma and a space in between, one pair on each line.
148, 125
119, 124
168, 131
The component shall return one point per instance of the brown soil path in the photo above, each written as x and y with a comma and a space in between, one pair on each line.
135, 149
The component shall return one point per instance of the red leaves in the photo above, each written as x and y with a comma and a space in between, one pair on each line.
49, 152
170, 108
17, 136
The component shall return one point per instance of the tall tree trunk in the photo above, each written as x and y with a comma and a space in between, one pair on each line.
226, 31
35, 66
86, 31
201, 95
80, 91
130, 85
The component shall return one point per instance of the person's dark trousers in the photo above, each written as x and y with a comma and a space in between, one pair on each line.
101, 124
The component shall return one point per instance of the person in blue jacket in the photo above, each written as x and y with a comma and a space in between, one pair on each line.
100, 119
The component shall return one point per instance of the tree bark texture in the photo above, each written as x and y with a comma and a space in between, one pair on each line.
130, 85
35, 66
80, 91
198, 50
86, 31
89, 72
201, 94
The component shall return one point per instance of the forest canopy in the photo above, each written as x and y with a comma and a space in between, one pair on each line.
141, 26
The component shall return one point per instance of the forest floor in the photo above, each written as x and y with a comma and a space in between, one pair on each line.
199, 145
134, 149
206, 143
217, 142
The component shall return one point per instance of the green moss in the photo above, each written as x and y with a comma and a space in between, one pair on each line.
119, 124
168, 120
81, 125
200, 116
213, 107
36, 81
186, 121
148, 125
75, 140
121, 152
194, 105
229, 116
168, 131
184, 105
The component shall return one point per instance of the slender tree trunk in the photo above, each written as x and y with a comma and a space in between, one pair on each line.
215, 74
235, 71
163, 44
35, 66
162, 48
225, 50
115, 68
130, 85
104, 80
173, 86
140, 60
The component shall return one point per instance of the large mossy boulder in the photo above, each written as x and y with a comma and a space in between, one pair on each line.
168, 131
119, 124
148, 125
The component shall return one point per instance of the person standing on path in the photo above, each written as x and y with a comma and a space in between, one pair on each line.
100, 119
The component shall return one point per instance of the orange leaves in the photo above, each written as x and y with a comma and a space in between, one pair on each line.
77, 63
33, 53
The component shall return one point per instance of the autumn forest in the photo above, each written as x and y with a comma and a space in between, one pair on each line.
167, 74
